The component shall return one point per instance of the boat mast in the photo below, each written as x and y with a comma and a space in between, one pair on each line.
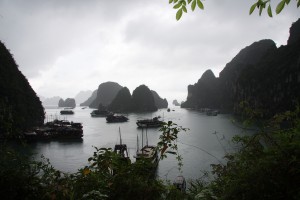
120, 135
137, 145
143, 141
146, 137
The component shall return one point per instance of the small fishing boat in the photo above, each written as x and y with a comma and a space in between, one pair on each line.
149, 123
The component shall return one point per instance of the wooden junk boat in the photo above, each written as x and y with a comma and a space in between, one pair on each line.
121, 149
57, 129
149, 123
147, 152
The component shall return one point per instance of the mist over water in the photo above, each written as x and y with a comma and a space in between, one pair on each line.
206, 141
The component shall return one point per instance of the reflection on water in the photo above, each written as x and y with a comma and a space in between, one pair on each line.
204, 143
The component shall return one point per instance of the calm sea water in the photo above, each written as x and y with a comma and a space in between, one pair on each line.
206, 141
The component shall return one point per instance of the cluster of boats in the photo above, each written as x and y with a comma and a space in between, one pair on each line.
63, 129
57, 129
113, 118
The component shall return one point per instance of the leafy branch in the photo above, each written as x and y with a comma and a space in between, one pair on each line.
181, 6
261, 5
168, 140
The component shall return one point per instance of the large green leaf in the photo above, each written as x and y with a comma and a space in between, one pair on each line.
270, 11
177, 6
178, 14
193, 6
184, 9
252, 8
280, 6
200, 4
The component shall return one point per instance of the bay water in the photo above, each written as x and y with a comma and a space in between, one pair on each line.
205, 143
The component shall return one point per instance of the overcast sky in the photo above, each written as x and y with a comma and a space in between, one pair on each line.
65, 46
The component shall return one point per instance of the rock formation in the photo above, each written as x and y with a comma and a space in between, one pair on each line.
159, 102
143, 100
122, 102
90, 99
20, 108
175, 103
105, 94
69, 102
265, 77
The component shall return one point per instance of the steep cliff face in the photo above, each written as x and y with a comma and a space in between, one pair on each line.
294, 33
20, 108
159, 102
143, 100
246, 59
273, 85
122, 102
90, 99
105, 94
204, 94
262, 75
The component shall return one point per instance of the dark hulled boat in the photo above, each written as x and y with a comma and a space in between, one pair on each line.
57, 129
116, 118
100, 113
149, 123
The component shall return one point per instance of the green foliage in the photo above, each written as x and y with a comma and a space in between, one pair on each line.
168, 140
22, 178
180, 5
261, 5
108, 176
266, 166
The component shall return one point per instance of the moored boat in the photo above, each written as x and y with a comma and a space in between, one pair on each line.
100, 113
116, 118
121, 149
57, 129
149, 123
66, 112
148, 153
